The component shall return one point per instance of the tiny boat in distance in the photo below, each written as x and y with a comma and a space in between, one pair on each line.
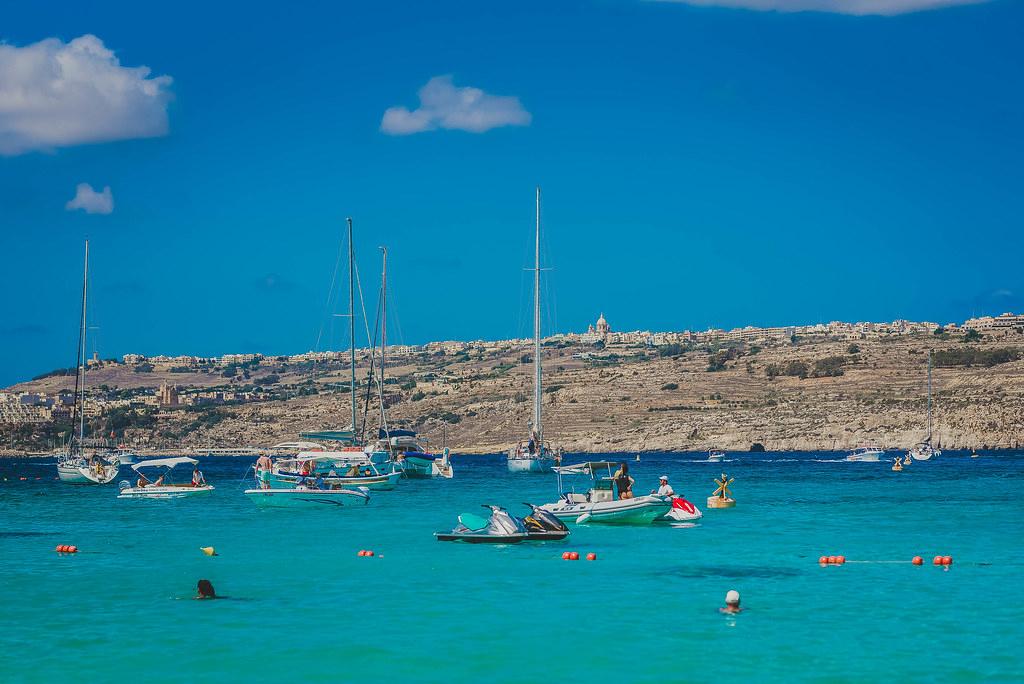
715, 456
162, 487
865, 454
600, 504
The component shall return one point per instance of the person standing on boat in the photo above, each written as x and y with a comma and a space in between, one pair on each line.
197, 477
623, 481
263, 467
664, 488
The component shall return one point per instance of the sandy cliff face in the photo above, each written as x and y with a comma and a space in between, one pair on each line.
651, 403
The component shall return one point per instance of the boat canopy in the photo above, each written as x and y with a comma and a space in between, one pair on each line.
587, 468
163, 462
298, 446
330, 435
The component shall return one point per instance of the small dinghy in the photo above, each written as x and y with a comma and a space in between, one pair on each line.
499, 528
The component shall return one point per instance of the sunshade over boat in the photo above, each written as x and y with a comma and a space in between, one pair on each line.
163, 462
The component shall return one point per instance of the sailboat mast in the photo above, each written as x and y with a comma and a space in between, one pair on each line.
352, 324
384, 313
81, 348
929, 396
536, 332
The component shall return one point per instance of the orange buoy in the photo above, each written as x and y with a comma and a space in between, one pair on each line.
565, 555
823, 560
947, 560
831, 560
917, 560
369, 553
574, 555
840, 559
60, 548
591, 556
74, 549
937, 560
361, 553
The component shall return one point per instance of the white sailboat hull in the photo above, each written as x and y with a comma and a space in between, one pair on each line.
80, 472
530, 465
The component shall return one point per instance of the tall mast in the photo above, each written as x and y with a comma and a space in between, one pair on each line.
536, 333
352, 324
81, 348
384, 314
929, 396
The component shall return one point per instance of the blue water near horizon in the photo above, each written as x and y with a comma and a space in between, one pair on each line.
303, 606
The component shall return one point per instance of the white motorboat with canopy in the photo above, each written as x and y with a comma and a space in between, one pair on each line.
866, 454
601, 503
161, 486
534, 455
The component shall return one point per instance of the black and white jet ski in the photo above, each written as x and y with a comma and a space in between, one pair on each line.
499, 528
542, 525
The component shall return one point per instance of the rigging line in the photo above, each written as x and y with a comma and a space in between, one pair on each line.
370, 372
328, 305
366, 323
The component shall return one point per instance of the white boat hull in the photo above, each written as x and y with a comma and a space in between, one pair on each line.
866, 457
636, 511
163, 491
530, 465
379, 483
72, 473
306, 498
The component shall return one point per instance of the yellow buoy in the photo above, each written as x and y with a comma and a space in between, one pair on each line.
208, 550
721, 498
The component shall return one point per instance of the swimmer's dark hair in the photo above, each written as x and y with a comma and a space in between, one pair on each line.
205, 589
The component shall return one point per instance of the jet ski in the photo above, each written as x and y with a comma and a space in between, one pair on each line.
682, 511
499, 528
543, 525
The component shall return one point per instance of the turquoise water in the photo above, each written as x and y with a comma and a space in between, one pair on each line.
304, 606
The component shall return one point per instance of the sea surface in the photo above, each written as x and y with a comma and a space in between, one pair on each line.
302, 606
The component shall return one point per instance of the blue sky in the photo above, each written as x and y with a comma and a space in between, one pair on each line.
702, 165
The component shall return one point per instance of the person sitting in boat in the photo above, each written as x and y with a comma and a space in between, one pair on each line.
142, 482
732, 602
159, 481
664, 488
367, 472
197, 477
353, 471
305, 470
623, 481
318, 483
332, 473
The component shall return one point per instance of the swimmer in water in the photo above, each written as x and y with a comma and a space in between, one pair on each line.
732, 603
204, 590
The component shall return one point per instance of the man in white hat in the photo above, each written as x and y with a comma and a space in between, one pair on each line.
664, 488
732, 602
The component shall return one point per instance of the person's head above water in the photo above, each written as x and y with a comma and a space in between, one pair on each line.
204, 589
732, 598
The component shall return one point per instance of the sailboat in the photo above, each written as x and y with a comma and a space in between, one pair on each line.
925, 451
72, 464
404, 447
352, 456
534, 455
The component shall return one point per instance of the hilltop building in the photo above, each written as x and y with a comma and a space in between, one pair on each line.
167, 396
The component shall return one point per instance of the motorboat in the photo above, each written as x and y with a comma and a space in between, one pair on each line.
542, 525
715, 456
683, 511
499, 528
343, 468
600, 504
161, 487
122, 455
866, 454
305, 496
407, 449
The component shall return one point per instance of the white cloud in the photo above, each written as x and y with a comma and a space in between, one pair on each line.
860, 7
90, 201
442, 105
56, 94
